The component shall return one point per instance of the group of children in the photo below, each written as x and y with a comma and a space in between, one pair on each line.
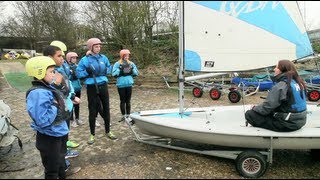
53, 101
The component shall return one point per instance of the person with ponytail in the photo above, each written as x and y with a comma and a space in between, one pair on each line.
284, 109
124, 70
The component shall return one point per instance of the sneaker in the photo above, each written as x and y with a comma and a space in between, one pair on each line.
79, 122
91, 139
67, 164
97, 124
72, 170
111, 136
74, 124
123, 118
72, 144
71, 154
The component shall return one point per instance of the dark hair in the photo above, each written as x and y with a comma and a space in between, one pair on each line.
288, 68
50, 50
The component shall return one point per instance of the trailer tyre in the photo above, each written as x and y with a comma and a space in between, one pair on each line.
251, 164
313, 95
251, 88
234, 96
197, 92
215, 93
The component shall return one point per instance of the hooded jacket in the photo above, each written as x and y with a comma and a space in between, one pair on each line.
288, 105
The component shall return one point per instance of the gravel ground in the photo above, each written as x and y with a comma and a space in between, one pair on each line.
129, 159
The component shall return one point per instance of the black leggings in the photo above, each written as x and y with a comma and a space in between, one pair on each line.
76, 107
94, 100
52, 152
125, 97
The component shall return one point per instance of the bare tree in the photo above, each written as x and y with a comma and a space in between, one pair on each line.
150, 12
26, 23
129, 24
117, 21
43, 21
171, 15
59, 22
96, 14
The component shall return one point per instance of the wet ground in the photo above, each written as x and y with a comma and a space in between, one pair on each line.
129, 159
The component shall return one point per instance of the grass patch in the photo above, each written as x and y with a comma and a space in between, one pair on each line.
19, 80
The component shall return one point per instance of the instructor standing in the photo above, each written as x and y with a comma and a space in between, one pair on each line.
93, 68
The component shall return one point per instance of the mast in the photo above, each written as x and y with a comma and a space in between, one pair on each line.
181, 57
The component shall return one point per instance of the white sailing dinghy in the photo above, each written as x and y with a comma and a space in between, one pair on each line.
232, 36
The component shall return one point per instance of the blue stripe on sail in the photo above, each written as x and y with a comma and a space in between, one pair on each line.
304, 48
192, 61
275, 20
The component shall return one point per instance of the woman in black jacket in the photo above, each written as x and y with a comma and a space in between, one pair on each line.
284, 109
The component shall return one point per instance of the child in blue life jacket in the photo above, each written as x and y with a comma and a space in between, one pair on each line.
48, 111
93, 69
124, 70
72, 61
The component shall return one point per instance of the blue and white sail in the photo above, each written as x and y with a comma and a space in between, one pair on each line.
229, 36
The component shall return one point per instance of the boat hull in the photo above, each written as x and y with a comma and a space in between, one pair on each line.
225, 126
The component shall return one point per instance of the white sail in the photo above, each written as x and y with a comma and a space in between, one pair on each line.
224, 36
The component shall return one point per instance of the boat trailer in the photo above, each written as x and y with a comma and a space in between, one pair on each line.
249, 162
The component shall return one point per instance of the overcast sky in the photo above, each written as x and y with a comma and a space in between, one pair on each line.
310, 11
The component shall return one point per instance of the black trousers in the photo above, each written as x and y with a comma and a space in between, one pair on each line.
76, 107
265, 121
125, 98
94, 99
52, 151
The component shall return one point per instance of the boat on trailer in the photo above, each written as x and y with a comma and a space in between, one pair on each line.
225, 126
232, 36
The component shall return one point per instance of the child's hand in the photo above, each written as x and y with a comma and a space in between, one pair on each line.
88, 53
76, 100
58, 78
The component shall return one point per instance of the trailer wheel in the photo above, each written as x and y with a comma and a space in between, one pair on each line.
234, 96
313, 95
197, 92
251, 88
315, 154
251, 164
215, 93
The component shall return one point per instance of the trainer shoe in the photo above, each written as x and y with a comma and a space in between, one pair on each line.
97, 124
79, 122
111, 136
91, 139
74, 124
72, 170
72, 144
122, 118
71, 154
67, 164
